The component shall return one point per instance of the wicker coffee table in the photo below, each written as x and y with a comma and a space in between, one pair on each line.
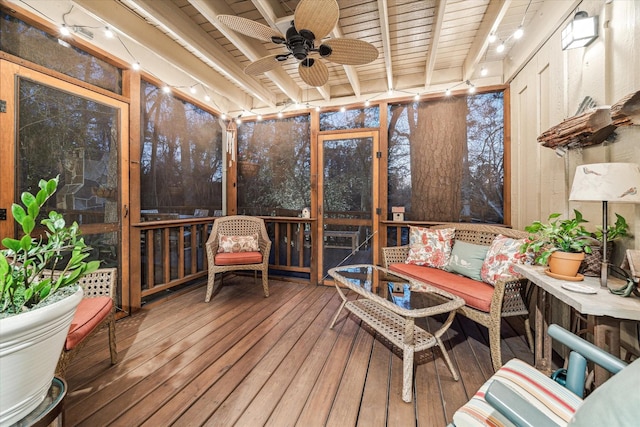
387, 304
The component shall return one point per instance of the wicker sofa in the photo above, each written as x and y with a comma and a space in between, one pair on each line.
485, 304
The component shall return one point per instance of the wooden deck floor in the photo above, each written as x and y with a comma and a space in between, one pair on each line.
246, 360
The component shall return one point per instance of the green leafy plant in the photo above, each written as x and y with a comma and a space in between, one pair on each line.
618, 230
32, 268
567, 235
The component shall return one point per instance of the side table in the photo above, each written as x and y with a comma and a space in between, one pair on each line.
51, 408
605, 308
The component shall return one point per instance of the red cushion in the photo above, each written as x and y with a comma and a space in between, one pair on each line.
238, 258
89, 314
475, 294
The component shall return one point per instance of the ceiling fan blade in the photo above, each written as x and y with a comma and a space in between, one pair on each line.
347, 51
318, 16
262, 65
316, 74
249, 28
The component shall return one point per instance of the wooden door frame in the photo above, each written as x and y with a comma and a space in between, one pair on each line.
374, 134
9, 71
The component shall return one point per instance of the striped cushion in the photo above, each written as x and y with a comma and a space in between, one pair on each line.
555, 401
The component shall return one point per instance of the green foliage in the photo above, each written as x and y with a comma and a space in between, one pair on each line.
566, 235
27, 264
618, 230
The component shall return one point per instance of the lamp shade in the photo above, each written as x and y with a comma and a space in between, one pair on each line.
610, 182
580, 31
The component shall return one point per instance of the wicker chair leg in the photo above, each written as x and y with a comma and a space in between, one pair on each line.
265, 283
112, 340
494, 345
211, 285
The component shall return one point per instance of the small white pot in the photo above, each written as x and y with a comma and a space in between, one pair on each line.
30, 346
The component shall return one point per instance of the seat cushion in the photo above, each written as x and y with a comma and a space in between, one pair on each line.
552, 399
89, 314
238, 258
475, 294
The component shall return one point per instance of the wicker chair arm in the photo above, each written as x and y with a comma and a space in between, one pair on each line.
394, 255
507, 297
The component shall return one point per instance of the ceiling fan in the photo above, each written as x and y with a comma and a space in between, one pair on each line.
312, 21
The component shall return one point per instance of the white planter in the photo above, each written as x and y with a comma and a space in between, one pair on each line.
30, 346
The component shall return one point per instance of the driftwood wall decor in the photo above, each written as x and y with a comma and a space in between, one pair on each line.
589, 128
626, 111
593, 126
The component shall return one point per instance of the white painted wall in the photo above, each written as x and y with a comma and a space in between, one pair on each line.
548, 89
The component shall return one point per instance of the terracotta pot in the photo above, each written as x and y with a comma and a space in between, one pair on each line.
565, 263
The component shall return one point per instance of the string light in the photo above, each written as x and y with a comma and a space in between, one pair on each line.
223, 116
192, 89
492, 38
518, 33
135, 66
483, 71
417, 97
472, 88
108, 33
317, 109
64, 30
166, 89
259, 117
367, 103
280, 114
343, 109
207, 98
500, 48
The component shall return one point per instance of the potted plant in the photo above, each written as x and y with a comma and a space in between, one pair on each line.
37, 301
561, 243
592, 262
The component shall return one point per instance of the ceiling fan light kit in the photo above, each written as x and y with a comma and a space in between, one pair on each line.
313, 21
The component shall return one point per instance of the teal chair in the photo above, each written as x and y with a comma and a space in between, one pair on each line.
519, 395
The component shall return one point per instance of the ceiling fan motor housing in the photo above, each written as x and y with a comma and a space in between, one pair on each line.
298, 45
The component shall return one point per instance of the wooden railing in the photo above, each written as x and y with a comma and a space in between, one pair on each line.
292, 249
172, 252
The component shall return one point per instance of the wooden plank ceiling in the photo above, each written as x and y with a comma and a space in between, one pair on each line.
424, 46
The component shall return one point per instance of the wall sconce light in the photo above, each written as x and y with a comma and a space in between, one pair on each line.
580, 31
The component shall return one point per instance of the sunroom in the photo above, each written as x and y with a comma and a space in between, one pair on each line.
148, 113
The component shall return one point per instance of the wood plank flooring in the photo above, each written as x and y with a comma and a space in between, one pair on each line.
246, 360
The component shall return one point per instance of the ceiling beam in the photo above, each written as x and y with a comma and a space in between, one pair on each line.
383, 13
492, 19
435, 38
136, 29
251, 48
181, 26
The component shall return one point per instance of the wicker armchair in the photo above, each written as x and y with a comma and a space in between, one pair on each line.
97, 309
237, 225
507, 296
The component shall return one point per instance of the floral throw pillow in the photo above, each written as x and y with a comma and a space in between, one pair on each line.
430, 247
503, 253
231, 244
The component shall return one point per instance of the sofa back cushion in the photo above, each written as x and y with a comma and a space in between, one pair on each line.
502, 255
467, 259
428, 247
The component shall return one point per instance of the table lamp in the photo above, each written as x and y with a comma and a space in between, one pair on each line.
606, 182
